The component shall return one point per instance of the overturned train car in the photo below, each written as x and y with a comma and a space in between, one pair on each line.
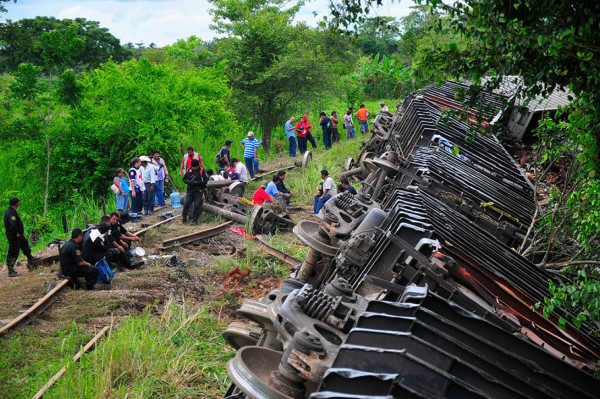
411, 288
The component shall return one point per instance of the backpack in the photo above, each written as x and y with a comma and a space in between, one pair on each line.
219, 156
105, 273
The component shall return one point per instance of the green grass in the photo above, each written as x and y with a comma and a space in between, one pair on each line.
177, 355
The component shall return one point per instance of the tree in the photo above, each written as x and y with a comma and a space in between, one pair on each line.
134, 108
378, 35
58, 50
2, 8
22, 42
272, 65
192, 51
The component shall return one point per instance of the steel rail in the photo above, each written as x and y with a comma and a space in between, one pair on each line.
41, 305
76, 358
213, 231
276, 253
137, 233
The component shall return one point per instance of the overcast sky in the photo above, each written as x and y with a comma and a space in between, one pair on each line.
160, 21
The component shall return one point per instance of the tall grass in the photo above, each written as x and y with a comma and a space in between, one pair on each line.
177, 355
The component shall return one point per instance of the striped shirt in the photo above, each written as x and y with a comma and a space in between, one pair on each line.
249, 146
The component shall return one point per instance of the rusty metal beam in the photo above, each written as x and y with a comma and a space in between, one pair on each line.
137, 233
275, 252
215, 210
188, 238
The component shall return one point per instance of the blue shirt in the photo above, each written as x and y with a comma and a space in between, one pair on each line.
249, 146
272, 189
290, 130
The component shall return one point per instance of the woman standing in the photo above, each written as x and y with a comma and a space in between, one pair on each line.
122, 184
349, 125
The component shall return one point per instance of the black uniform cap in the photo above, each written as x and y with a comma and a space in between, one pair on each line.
195, 162
14, 201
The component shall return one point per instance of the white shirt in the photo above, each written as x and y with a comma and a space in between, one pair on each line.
329, 184
241, 169
149, 173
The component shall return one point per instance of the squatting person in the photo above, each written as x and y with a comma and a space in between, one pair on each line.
73, 265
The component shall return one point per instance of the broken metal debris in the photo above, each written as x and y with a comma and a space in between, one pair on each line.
410, 288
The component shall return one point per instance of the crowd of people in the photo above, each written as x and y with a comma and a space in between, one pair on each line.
141, 188
299, 134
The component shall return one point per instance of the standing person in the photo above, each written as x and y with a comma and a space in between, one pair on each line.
186, 162
72, 264
309, 136
196, 180
250, 147
301, 135
384, 107
363, 119
328, 189
224, 156
122, 184
163, 175
349, 125
335, 133
290, 133
149, 177
137, 187
325, 123
347, 186
15, 233
241, 169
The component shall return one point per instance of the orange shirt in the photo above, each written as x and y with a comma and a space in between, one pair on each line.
363, 114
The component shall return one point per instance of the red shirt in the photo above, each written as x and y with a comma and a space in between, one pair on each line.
260, 196
300, 133
187, 160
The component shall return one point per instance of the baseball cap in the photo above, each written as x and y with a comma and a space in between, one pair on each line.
250, 134
228, 142
14, 201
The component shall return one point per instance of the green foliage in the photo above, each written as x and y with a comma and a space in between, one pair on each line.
379, 78
582, 296
134, 108
179, 354
192, 51
24, 41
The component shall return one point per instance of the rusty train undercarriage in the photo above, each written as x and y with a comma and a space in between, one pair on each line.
411, 288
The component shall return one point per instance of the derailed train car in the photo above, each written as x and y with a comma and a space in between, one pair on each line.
411, 288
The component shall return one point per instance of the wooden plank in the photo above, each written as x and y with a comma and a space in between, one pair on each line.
199, 235
76, 358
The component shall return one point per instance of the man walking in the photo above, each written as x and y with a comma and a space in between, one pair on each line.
250, 147
163, 175
72, 264
149, 177
363, 119
325, 123
196, 180
137, 186
15, 233
290, 133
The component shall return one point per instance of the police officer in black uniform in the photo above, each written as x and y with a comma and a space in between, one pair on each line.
16, 238
72, 264
196, 180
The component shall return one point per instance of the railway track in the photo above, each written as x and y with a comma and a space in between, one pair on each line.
40, 306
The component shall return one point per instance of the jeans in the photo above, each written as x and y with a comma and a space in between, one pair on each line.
196, 198
286, 199
250, 166
159, 196
350, 132
137, 201
292, 141
319, 203
327, 139
255, 163
310, 138
122, 201
302, 144
148, 199
364, 126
